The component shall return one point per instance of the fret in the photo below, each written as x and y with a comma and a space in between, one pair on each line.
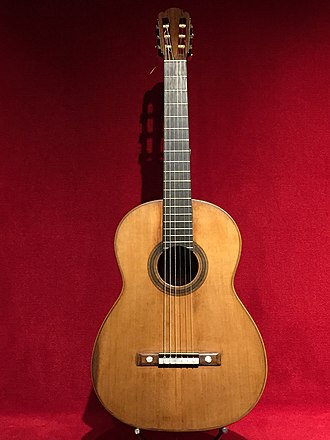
178, 180
177, 189
181, 208
170, 241
184, 235
185, 108
177, 100
176, 214
179, 171
177, 221
174, 188
178, 103
183, 239
169, 171
173, 191
179, 198
177, 206
178, 153
175, 125
178, 88
186, 242
177, 161
188, 246
179, 229
170, 129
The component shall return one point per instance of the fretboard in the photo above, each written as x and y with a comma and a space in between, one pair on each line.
177, 206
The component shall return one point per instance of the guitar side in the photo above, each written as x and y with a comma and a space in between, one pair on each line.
178, 399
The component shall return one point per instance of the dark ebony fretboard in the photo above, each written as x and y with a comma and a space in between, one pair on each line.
177, 212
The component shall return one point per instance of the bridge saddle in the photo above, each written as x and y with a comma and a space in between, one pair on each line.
178, 360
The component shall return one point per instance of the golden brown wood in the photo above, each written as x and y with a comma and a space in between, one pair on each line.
178, 399
172, 16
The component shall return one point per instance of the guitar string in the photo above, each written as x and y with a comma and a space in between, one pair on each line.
173, 229
174, 166
164, 225
176, 235
188, 300
178, 98
192, 241
183, 270
170, 174
166, 147
186, 216
190, 237
179, 107
166, 212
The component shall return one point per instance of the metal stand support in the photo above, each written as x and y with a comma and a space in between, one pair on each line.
223, 430
138, 433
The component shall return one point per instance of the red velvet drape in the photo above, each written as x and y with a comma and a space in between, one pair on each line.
76, 156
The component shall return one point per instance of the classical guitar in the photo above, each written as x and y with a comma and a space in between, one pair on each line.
178, 351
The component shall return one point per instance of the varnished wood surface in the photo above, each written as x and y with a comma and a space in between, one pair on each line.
178, 399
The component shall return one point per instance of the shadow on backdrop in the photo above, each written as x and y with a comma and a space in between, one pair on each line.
151, 156
103, 425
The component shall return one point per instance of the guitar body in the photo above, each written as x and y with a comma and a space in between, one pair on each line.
178, 399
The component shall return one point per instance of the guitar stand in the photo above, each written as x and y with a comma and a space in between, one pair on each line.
223, 430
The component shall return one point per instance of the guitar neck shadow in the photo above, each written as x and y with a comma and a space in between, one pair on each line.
151, 141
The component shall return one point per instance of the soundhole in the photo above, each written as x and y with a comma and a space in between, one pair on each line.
177, 266
177, 270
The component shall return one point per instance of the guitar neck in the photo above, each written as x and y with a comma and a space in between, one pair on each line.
177, 212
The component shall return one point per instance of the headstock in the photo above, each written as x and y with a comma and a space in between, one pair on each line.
174, 34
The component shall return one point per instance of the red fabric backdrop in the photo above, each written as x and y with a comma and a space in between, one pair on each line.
74, 81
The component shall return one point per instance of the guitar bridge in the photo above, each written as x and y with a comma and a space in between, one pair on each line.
178, 360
